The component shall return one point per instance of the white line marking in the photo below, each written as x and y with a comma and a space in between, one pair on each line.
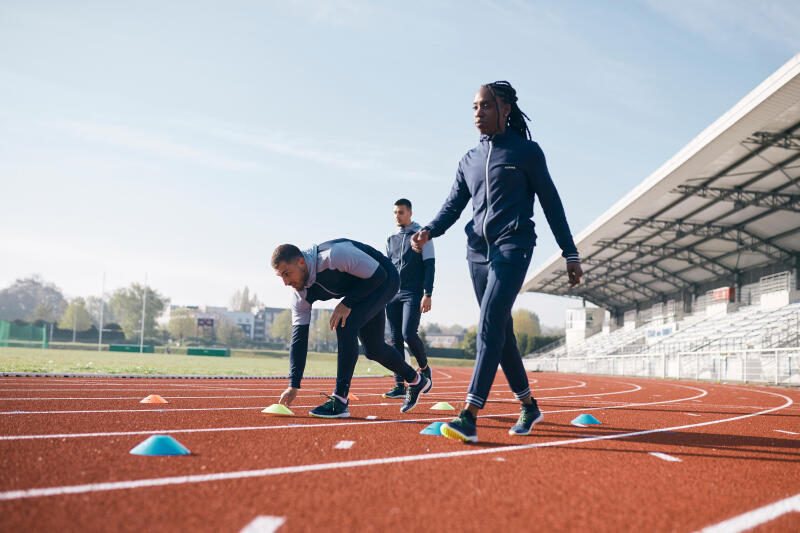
579, 425
665, 457
787, 432
756, 517
371, 417
691, 414
344, 444
242, 474
329, 425
264, 524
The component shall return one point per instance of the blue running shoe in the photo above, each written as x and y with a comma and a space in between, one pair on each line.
461, 428
427, 374
413, 392
333, 408
399, 391
529, 415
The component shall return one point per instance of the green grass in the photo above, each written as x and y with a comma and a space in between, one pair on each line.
241, 363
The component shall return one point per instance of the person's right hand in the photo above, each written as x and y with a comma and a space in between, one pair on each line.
288, 396
419, 239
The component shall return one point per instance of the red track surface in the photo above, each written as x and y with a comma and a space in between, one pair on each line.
739, 449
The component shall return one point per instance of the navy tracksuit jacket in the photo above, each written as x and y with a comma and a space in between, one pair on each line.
502, 176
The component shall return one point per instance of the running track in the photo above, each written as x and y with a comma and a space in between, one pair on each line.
721, 452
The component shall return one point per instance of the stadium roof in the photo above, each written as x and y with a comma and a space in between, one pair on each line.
723, 210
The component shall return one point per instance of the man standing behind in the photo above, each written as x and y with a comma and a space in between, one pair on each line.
414, 297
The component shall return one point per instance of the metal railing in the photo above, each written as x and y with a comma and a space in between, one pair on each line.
780, 366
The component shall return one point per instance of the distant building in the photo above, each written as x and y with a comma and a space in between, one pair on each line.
444, 340
263, 320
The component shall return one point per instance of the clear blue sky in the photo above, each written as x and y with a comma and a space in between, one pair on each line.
187, 139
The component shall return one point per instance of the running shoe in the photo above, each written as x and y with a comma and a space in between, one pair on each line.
529, 415
413, 392
461, 428
399, 391
333, 408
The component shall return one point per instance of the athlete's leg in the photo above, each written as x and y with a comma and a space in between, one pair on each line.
411, 315
394, 314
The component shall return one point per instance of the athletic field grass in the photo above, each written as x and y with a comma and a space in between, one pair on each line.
241, 363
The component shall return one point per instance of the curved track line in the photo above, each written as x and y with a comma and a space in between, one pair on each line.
222, 476
329, 424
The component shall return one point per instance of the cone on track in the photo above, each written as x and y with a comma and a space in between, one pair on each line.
160, 445
586, 420
278, 409
351, 396
443, 406
154, 398
433, 429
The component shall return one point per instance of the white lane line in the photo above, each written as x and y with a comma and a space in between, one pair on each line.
665, 457
787, 432
242, 474
344, 444
691, 414
756, 517
329, 424
264, 524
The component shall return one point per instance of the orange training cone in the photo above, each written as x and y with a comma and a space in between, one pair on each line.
154, 398
351, 396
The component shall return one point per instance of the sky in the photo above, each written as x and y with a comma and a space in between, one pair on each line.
183, 141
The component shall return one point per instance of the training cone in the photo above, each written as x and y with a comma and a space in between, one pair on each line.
160, 445
586, 420
351, 396
443, 406
278, 409
433, 429
154, 398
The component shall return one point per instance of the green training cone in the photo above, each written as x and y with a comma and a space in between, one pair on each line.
278, 409
443, 406
160, 445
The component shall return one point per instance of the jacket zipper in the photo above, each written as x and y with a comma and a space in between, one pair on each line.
486, 214
402, 251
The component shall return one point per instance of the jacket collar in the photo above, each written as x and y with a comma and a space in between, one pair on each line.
411, 228
499, 136
311, 256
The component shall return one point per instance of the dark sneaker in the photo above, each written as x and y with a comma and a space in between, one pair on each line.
427, 374
528, 416
461, 428
333, 408
413, 391
399, 391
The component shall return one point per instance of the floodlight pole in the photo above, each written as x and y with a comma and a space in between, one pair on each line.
144, 303
74, 320
102, 306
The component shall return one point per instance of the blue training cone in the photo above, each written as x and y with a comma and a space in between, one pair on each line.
433, 429
160, 445
585, 419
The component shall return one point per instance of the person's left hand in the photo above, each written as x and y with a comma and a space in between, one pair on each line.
425, 305
340, 313
575, 272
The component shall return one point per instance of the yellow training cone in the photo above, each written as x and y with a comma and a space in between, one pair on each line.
278, 409
154, 398
443, 406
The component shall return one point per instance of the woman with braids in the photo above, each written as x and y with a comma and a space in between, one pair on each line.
502, 176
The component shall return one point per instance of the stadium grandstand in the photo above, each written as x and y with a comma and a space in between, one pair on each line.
695, 271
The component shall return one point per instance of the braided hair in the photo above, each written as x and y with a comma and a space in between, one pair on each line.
517, 119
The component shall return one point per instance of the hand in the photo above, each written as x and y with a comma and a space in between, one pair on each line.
575, 272
288, 396
425, 305
341, 312
419, 239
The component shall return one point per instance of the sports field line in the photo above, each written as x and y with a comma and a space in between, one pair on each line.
756, 517
22, 399
327, 425
223, 476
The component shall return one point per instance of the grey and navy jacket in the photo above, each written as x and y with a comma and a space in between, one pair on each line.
341, 268
416, 270
502, 176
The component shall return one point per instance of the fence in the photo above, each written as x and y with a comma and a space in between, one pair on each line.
24, 334
780, 366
